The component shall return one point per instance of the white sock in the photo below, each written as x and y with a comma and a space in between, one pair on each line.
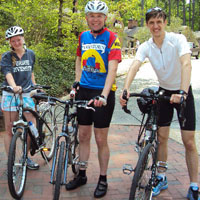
193, 184
162, 175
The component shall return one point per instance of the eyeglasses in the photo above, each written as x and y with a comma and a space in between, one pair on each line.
153, 9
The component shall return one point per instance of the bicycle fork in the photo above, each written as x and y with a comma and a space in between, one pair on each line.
66, 156
54, 160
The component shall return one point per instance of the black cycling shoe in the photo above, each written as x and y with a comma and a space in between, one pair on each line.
101, 189
76, 182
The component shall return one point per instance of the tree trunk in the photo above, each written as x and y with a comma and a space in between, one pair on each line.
169, 17
60, 16
142, 19
193, 13
199, 17
189, 13
184, 18
74, 6
177, 4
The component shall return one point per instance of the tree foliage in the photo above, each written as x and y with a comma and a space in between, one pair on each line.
52, 28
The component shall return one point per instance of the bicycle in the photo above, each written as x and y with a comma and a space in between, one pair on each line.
147, 143
18, 150
66, 144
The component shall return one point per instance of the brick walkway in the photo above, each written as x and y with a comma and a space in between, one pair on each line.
121, 139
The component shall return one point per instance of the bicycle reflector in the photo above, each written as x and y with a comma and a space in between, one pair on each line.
46, 149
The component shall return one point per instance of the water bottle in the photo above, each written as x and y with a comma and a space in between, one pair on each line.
34, 131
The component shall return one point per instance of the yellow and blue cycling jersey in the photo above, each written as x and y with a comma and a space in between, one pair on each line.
95, 53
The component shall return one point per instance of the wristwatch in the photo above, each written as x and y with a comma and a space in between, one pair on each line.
182, 92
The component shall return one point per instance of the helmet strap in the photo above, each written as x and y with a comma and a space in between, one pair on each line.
98, 31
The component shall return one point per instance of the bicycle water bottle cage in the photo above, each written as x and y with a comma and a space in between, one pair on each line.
144, 103
162, 166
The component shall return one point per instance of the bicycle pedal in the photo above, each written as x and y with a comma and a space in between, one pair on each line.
127, 169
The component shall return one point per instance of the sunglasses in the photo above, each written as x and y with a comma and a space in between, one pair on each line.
153, 9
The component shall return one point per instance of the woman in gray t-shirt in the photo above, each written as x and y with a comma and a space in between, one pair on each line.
17, 67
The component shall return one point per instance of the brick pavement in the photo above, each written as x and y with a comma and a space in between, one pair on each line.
121, 139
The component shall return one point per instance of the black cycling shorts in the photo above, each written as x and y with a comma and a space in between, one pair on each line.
166, 111
102, 116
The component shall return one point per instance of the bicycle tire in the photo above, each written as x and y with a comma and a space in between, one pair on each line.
75, 150
19, 167
49, 136
59, 171
142, 174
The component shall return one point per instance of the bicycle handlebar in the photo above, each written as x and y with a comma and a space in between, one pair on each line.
156, 96
25, 90
79, 103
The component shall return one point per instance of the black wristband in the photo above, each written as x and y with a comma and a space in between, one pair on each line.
75, 84
103, 97
182, 92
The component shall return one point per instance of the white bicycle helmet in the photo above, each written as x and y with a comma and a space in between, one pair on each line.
14, 31
96, 6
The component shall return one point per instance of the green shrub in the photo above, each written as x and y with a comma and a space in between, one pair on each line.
57, 73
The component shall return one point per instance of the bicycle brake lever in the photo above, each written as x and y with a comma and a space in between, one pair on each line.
90, 108
181, 113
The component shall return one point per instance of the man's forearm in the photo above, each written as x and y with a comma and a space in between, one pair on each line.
186, 70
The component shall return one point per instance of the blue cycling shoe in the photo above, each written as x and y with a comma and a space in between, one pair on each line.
31, 164
160, 185
193, 193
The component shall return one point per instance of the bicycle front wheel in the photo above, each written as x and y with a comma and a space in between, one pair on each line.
75, 150
17, 169
59, 171
139, 188
48, 134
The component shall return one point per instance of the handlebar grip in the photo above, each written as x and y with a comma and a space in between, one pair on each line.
72, 94
124, 96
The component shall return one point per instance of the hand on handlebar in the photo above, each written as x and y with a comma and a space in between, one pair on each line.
17, 89
75, 88
124, 98
176, 98
98, 101
180, 99
123, 101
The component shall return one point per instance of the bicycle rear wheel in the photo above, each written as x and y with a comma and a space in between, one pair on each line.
143, 171
59, 171
49, 135
17, 169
